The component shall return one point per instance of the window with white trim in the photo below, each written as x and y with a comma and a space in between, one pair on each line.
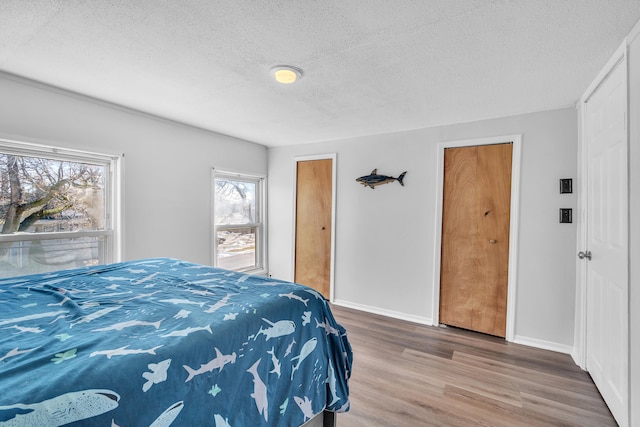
58, 208
238, 223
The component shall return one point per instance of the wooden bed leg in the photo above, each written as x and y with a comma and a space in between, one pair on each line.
329, 419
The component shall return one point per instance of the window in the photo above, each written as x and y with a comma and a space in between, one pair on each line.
238, 230
58, 209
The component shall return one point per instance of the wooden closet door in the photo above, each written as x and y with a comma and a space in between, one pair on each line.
475, 238
313, 224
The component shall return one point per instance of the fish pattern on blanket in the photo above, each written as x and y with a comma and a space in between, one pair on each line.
161, 342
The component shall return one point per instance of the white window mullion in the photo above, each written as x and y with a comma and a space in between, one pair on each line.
31, 237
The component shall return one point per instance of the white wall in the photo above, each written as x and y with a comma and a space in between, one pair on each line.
384, 252
384, 237
634, 224
166, 166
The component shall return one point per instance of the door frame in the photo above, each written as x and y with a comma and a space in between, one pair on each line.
513, 225
296, 159
579, 353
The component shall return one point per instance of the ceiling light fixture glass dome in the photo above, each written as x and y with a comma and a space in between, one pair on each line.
286, 74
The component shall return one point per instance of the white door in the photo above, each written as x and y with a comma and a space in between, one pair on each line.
607, 241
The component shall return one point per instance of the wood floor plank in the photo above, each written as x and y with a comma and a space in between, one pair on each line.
406, 374
489, 412
580, 393
567, 413
465, 377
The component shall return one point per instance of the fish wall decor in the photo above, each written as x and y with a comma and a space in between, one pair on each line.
374, 179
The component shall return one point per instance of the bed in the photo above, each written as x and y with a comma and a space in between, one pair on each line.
160, 342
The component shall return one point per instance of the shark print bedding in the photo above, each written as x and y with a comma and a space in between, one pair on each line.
161, 342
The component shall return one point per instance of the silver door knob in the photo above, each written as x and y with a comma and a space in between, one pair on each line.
583, 255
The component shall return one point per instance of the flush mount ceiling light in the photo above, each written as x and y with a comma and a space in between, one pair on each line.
286, 74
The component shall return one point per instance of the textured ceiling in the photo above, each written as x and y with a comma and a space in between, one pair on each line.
370, 66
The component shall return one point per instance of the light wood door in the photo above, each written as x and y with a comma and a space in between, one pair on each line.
607, 242
475, 238
313, 224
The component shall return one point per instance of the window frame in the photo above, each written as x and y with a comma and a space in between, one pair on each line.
112, 232
260, 266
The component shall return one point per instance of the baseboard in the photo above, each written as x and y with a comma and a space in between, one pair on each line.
531, 342
383, 312
544, 345
577, 358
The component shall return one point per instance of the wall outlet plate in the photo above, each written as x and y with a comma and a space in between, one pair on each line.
566, 216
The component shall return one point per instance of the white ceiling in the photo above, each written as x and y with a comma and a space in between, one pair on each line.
371, 66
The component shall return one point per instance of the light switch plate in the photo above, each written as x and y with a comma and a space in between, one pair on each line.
566, 215
566, 185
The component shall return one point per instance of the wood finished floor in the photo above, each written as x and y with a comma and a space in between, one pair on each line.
405, 374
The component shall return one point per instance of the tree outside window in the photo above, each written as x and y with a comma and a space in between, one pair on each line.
54, 209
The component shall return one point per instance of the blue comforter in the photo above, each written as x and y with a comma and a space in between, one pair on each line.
162, 342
